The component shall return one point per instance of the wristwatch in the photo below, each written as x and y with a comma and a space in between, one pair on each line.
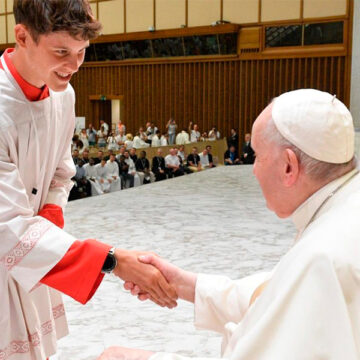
110, 262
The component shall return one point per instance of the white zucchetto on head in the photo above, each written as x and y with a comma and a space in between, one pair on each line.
317, 123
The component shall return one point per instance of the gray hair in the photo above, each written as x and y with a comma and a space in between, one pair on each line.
317, 170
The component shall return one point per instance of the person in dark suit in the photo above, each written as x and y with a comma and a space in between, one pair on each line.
132, 153
248, 155
231, 156
158, 166
233, 139
142, 165
211, 161
193, 160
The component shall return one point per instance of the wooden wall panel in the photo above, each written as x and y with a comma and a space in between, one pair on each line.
226, 93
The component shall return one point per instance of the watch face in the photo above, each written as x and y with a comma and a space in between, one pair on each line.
109, 264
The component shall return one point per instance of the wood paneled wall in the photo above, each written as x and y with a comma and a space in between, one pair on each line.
227, 92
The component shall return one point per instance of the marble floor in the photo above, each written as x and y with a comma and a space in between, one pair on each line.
213, 222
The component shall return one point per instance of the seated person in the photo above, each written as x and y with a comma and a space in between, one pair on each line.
132, 168
193, 160
91, 175
156, 139
127, 180
113, 174
204, 160
248, 155
172, 164
182, 138
231, 156
143, 169
82, 187
211, 161
158, 166
102, 176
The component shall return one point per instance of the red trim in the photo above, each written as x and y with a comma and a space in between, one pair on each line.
78, 273
31, 92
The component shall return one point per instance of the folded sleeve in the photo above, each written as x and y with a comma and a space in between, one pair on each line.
219, 300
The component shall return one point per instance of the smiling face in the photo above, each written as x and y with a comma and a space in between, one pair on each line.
52, 59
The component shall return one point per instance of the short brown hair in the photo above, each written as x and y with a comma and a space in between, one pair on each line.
46, 16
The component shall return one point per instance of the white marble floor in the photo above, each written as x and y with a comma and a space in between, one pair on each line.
214, 222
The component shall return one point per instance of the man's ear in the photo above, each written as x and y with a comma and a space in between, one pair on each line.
22, 35
291, 167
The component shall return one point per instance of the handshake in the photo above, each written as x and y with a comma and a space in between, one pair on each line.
148, 276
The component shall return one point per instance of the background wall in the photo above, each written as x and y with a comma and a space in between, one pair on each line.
120, 16
222, 92
355, 71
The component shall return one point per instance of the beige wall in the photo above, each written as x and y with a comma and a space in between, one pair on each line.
111, 15
323, 8
274, 10
2, 30
203, 12
177, 10
241, 11
171, 14
139, 15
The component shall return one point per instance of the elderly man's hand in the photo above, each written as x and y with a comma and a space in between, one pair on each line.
121, 353
183, 281
147, 277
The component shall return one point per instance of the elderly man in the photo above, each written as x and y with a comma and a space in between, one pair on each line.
308, 306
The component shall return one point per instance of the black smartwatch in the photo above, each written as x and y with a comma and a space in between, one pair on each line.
110, 262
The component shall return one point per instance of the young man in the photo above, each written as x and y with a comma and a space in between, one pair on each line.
37, 121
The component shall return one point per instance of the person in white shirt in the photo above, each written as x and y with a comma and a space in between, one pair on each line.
112, 143
129, 142
194, 133
113, 174
102, 135
91, 175
172, 164
182, 138
214, 134
151, 130
120, 138
132, 168
308, 306
155, 142
204, 159
181, 152
106, 127
84, 138
164, 139
102, 176
138, 143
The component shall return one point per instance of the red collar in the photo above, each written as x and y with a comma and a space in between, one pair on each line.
31, 92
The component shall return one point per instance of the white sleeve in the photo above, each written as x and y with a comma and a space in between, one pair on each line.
30, 246
219, 300
61, 183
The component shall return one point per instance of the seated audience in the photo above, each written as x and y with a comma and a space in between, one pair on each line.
193, 160
164, 140
211, 161
91, 176
248, 155
113, 174
126, 178
204, 160
103, 176
182, 138
231, 156
132, 153
155, 140
139, 143
158, 166
132, 168
129, 141
143, 169
121, 152
100, 156
85, 156
172, 164
82, 186
75, 156
181, 152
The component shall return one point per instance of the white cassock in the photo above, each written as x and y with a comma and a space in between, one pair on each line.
138, 143
91, 175
310, 308
132, 170
155, 142
35, 141
113, 172
182, 138
102, 177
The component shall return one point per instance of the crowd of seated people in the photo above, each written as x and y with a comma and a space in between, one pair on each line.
145, 137
123, 168
232, 157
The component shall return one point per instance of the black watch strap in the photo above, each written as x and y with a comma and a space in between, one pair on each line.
110, 262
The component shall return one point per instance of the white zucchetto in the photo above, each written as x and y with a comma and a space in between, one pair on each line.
317, 123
